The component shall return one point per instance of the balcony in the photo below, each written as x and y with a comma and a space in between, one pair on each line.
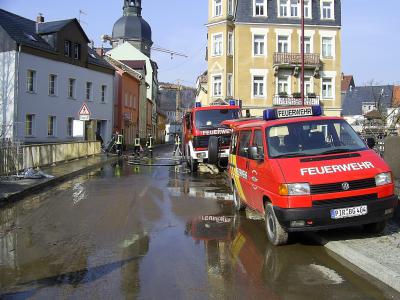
280, 100
311, 60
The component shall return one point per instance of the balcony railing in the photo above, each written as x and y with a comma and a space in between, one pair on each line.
295, 101
294, 59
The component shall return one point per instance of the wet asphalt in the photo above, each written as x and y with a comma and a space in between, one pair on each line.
158, 232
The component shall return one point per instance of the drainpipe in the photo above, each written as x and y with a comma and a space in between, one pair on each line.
16, 93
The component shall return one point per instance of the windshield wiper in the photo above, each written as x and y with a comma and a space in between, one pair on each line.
343, 150
287, 155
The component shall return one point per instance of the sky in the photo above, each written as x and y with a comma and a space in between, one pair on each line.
370, 37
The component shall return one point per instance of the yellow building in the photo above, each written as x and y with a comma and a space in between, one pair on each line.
254, 51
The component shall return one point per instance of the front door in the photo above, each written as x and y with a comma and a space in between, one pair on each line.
242, 166
257, 171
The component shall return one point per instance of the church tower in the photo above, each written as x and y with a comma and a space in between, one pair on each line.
132, 28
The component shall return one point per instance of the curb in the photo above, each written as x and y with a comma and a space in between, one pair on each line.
368, 265
30, 190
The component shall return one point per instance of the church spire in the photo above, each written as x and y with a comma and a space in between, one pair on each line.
133, 8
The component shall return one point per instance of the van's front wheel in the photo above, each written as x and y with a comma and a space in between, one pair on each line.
275, 232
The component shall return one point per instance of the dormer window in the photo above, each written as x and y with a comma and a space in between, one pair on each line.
327, 9
77, 51
67, 48
259, 8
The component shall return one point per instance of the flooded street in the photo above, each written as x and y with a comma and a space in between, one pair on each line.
158, 232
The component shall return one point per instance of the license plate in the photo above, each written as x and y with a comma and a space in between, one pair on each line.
349, 212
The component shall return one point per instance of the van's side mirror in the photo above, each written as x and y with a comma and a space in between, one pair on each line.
371, 142
254, 155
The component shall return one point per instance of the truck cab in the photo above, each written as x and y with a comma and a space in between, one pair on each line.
201, 123
306, 172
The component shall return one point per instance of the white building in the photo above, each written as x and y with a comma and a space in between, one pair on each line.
47, 72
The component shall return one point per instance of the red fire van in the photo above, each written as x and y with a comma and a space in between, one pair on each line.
306, 172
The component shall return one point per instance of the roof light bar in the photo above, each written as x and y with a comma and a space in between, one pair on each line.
291, 112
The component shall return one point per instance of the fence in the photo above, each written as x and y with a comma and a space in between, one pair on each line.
11, 158
14, 158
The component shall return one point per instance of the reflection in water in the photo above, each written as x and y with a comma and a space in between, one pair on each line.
238, 255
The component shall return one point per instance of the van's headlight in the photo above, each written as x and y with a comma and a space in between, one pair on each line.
294, 189
383, 178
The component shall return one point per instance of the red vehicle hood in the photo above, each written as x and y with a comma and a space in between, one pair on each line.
332, 168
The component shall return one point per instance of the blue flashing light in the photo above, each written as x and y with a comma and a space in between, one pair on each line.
198, 104
269, 114
317, 110
232, 102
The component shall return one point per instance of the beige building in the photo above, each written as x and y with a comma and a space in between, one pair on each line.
254, 51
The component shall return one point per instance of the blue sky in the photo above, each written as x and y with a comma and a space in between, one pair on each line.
370, 38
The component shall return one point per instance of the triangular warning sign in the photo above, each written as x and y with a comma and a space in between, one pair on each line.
84, 110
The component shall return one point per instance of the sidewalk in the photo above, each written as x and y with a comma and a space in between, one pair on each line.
11, 190
379, 256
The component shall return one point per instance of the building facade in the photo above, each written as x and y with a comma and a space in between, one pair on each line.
48, 72
254, 51
131, 40
130, 86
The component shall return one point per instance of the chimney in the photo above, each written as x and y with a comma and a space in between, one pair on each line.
40, 18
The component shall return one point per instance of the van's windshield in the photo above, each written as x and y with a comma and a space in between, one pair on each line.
312, 138
213, 118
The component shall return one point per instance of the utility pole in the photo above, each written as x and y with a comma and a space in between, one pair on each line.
178, 101
302, 51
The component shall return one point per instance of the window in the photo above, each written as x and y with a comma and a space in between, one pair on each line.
307, 44
217, 44
71, 88
103, 93
258, 86
258, 142
67, 48
327, 47
89, 87
283, 44
327, 9
244, 143
283, 8
283, 85
217, 86
70, 124
29, 125
229, 86
259, 44
307, 9
31, 81
77, 51
307, 86
230, 7
327, 88
230, 43
259, 8
294, 7
52, 84
51, 123
217, 8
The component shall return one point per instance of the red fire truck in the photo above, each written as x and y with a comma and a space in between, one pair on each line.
306, 172
201, 123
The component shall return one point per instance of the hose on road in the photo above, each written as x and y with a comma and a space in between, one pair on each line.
171, 162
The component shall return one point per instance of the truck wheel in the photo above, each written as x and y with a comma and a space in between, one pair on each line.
236, 200
275, 232
213, 150
375, 228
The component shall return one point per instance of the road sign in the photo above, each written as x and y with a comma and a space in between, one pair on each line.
84, 113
